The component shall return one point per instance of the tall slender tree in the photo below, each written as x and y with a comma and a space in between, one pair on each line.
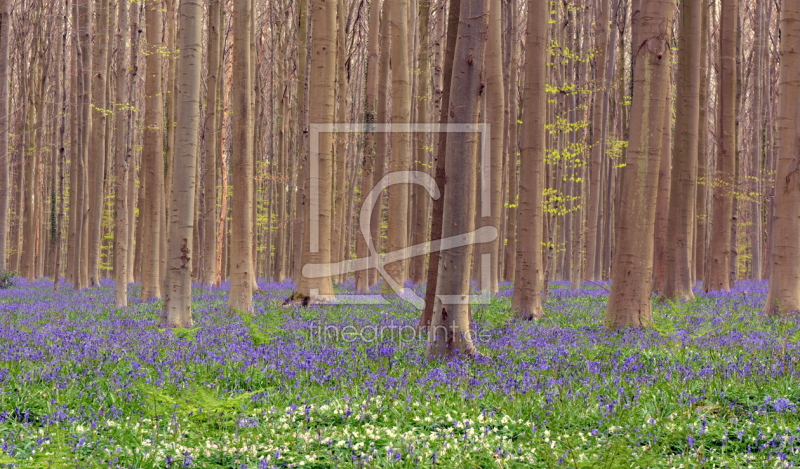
397, 232
209, 172
594, 232
370, 137
680, 227
317, 242
153, 154
437, 211
5, 33
717, 276
241, 248
97, 148
495, 103
122, 164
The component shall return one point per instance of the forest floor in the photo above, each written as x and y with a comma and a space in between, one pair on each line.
82, 384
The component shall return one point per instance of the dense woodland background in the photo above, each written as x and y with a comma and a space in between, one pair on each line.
650, 142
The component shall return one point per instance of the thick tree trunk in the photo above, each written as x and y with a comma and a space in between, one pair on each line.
397, 233
241, 249
317, 286
153, 156
784, 288
678, 251
450, 331
527, 302
177, 311
632, 266
719, 256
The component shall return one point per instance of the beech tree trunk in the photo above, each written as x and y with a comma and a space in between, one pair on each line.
97, 149
84, 14
593, 236
527, 302
397, 234
423, 140
784, 287
450, 332
5, 189
123, 157
322, 84
495, 103
437, 211
209, 171
177, 311
678, 251
153, 154
701, 226
370, 138
724, 180
632, 265
241, 249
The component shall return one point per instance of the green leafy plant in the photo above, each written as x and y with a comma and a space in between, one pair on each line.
7, 278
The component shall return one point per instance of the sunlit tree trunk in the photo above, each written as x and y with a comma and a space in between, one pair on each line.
784, 287
177, 311
632, 266
450, 331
